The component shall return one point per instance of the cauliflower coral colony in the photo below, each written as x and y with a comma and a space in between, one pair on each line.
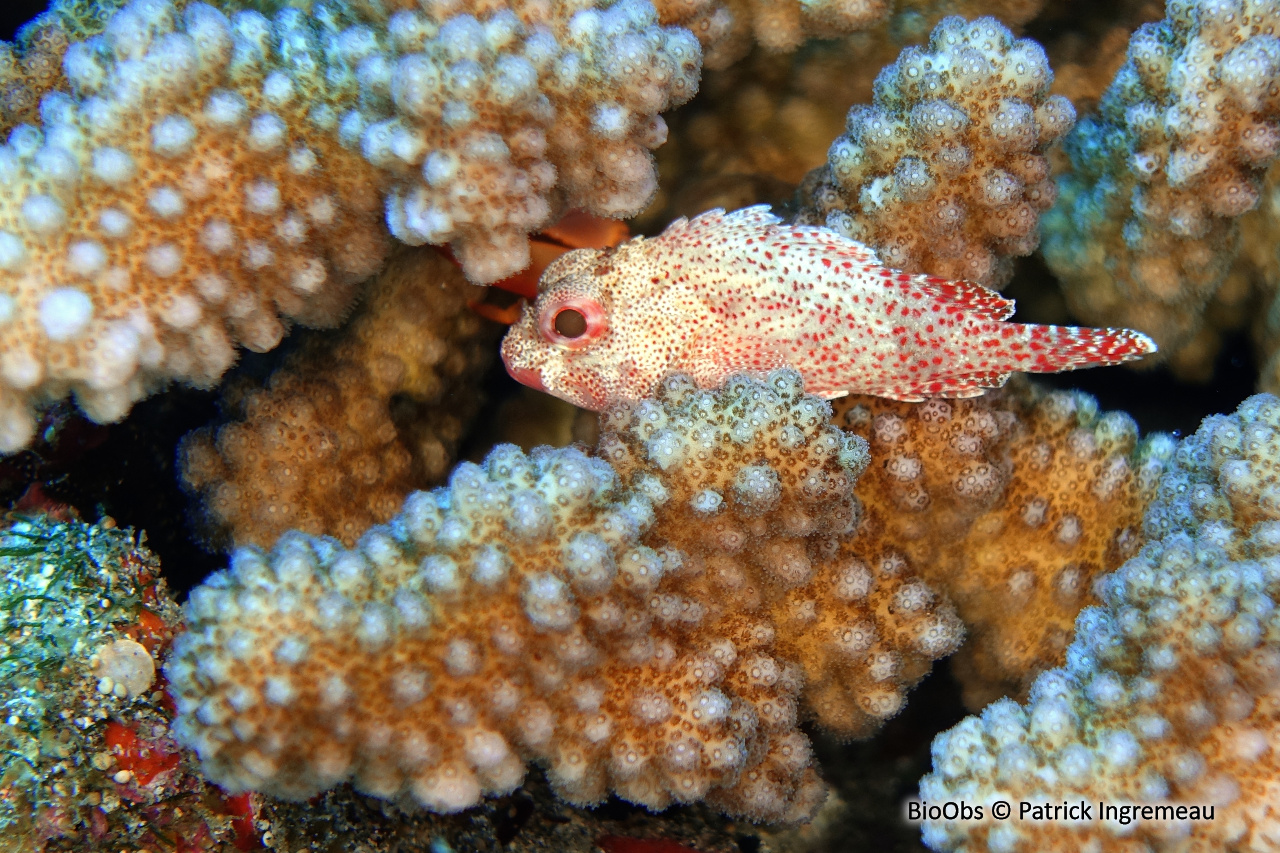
696, 622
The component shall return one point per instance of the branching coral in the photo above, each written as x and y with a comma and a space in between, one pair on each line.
1168, 694
945, 172
647, 632
773, 556
1011, 505
728, 28
351, 424
1144, 230
656, 618
86, 758
210, 175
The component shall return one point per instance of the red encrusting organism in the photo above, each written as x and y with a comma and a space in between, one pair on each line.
240, 807
145, 760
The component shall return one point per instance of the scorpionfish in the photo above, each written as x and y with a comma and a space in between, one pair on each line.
742, 292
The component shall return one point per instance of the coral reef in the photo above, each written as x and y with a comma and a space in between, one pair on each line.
945, 172
209, 178
86, 756
1010, 504
649, 632
1145, 230
351, 423
1021, 498
705, 609
1168, 692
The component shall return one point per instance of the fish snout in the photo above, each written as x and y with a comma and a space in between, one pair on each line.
530, 376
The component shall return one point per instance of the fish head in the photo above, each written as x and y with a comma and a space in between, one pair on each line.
564, 343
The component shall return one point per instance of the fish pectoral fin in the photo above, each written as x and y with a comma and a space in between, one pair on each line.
715, 355
953, 387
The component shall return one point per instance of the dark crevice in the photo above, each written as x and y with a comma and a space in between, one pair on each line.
15, 13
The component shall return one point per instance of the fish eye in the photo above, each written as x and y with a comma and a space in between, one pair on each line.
570, 323
574, 323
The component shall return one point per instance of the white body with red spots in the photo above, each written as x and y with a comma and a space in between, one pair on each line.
742, 292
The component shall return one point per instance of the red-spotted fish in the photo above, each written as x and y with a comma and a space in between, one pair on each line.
743, 292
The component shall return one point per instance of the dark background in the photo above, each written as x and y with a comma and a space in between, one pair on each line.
14, 13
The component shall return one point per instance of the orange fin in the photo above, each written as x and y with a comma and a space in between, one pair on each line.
525, 282
578, 229
498, 314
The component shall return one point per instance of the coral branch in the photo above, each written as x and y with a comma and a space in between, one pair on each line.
1144, 229
648, 632
352, 422
209, 178
1011, 505
945, 174
1168, 692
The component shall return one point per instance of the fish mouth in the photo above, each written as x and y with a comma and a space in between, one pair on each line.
530, 376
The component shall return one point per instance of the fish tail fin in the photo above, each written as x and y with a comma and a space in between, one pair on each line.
1055, 348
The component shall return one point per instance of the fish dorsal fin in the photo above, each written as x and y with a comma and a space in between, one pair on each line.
974, 298
814, 240
756, 216
983, 303
759, 221
717, 222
